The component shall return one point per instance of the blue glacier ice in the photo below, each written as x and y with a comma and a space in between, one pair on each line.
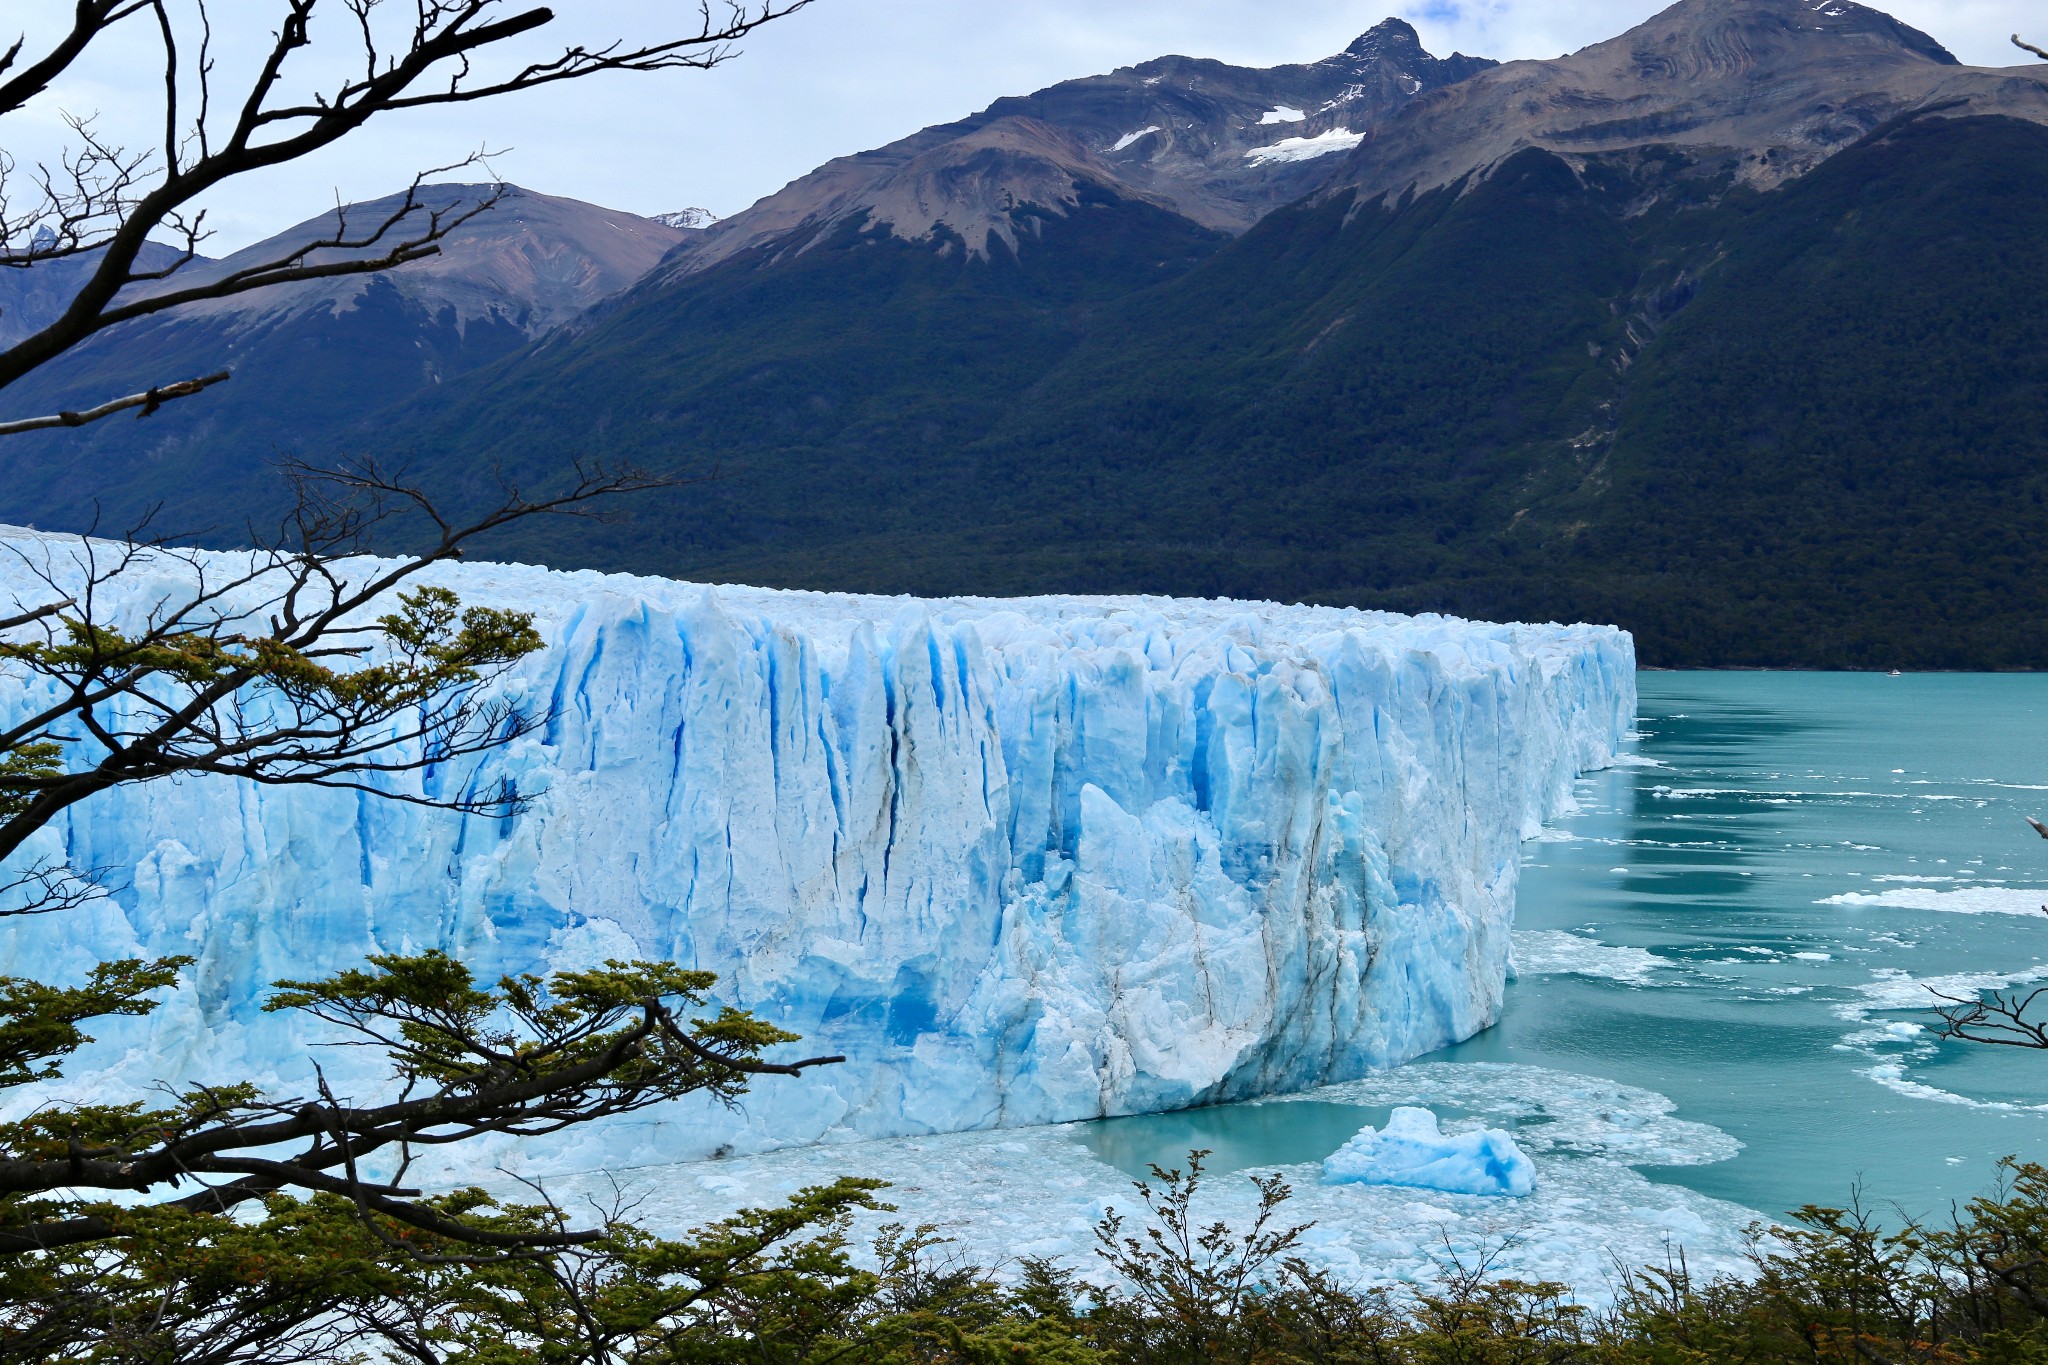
1023, 861
1412, 1150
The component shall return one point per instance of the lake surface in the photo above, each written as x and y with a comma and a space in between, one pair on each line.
1745, 917
1721, 1010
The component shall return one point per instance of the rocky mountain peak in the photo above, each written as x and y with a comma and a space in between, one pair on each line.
1704, 39
1390, 38
1762, 89
1392, 51
1219, 144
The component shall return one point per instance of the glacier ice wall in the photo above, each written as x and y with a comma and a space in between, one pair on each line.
1023, 861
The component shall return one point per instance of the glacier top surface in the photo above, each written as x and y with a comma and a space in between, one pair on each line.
1064, 619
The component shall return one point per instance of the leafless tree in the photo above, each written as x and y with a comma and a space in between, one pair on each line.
2002, 1018
2026, 46
262, 665
105, 201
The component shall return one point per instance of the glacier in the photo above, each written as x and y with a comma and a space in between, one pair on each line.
1023, 861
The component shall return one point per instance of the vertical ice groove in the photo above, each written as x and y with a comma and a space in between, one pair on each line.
1023, 861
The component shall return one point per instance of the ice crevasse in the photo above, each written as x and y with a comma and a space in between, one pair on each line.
1023, 861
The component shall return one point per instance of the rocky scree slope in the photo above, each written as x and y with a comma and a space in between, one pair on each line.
1770, 87
1219, 144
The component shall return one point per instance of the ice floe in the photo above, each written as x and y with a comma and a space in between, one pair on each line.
1412, 1150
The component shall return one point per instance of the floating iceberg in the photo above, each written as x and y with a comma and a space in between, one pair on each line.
1022, 861
1412, 1150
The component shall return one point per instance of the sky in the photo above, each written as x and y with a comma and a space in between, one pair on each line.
836, 78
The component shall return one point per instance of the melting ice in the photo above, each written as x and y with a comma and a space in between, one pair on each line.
1412, 1150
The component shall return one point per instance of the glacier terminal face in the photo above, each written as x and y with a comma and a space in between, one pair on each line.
1022, 861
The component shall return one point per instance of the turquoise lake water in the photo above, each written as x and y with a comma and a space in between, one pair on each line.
1746, 917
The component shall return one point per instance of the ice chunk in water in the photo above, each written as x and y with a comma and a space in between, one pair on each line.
1412, 1150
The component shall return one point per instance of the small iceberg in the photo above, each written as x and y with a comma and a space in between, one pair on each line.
1411, 1150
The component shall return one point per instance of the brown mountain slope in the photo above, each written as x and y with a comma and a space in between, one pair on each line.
1218, 144
1765, 88
532, 261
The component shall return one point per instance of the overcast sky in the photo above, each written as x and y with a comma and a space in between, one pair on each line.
845, 75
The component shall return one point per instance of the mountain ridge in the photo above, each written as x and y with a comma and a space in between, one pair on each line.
1175, 131
1563, 365
1773, 86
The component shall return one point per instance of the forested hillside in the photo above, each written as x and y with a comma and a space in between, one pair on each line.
1794, 426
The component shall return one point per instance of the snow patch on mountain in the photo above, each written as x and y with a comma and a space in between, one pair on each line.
1306, 148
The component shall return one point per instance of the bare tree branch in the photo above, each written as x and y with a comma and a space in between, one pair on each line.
90, 19
237, 676
149, 400
2024, 46
47, 887
1997, 1018
105, 200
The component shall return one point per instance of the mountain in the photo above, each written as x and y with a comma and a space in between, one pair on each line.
309, 358
1770, 88
1718, 330
900, 296
1748, 374
525, 264
33, 297
1218, 144
873, 319
1795, 427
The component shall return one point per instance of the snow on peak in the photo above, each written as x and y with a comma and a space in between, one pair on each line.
687, 219
1305, 148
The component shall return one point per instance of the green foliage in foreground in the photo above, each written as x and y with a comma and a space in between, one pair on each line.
318, 1280
228, 1225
